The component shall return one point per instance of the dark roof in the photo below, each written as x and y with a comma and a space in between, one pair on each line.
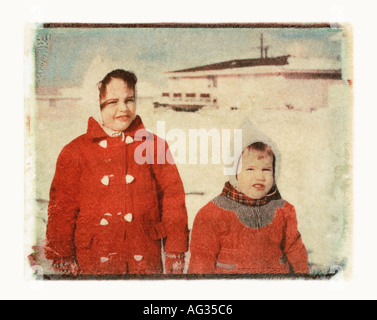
243, 63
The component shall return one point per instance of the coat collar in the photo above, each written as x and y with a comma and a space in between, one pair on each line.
234, 194
136, 129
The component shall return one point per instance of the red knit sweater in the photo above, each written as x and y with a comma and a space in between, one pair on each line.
221, 243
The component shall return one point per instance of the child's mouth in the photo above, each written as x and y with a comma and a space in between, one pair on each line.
259, 186
123, 118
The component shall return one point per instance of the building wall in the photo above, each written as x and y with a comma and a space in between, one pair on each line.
51, 107
197, 86
273, 92
258, 91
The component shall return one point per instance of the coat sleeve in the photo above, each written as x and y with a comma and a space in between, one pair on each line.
294, 247
172, 203
63, 207
205, 244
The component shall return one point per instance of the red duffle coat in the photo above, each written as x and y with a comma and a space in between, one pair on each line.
108, 212
221, 243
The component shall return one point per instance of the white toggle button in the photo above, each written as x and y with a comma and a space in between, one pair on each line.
129, 217
104, 222
129, 178
104, 259
103, 144
105, 180
129, 140
138, 258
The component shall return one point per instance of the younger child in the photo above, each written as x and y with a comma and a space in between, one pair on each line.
249, 228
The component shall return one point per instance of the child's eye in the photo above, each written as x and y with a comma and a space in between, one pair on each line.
268, 170
108, 102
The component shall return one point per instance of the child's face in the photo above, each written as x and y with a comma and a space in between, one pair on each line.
119, 105
255, 174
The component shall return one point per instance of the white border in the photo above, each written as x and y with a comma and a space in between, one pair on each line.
14, 285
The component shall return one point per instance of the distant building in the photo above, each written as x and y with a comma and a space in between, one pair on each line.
271, 83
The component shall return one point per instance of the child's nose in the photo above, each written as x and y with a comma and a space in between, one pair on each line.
260, 176
122, 106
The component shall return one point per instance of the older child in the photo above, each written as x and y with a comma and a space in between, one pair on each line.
249, 228
108, 212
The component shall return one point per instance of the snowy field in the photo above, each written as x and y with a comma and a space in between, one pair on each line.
315, 173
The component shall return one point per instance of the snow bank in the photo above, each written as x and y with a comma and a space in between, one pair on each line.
315, 171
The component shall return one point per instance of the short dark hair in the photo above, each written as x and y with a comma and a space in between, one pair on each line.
127, 76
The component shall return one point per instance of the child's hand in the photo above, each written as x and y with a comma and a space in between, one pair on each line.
174, 263
69, 267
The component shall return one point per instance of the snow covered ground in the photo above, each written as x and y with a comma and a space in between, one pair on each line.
315, 173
